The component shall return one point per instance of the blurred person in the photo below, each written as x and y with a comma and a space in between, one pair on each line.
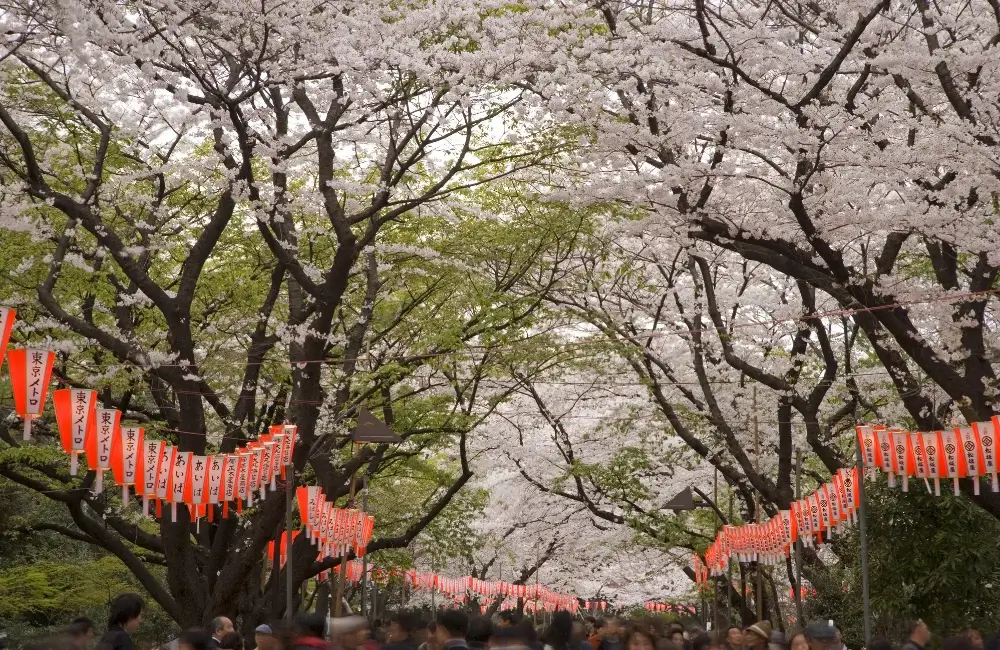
308, 632
734, 638
508, 638
758, 635
231, 641
558, 634
507, 618
528, 633
975, 638
578, 636
219, 627
124, 618
81, 631
639, 638
264, 638
798, 642
402, 631
840, 639
820, 635
430, 638
611, 635
478, 635
918, 636
452, 626
880, 643
777, 641
349, 632
194, 639
595, 635
677, 636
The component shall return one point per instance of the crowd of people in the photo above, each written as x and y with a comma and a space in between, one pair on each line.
453, 629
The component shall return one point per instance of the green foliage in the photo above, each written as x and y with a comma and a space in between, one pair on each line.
933, 558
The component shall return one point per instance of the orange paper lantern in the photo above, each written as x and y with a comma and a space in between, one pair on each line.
6, 325
178, 480
148, 471
30, 372
125, 453
99, 446
77, 420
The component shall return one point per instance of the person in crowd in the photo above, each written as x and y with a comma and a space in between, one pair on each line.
975, 638
961, 642
430, 642
508, 638
349, 632
595, 634
558, 633
264, 638
798, 642
220, 627
639, 637
880, 643
194, 639
479, 632
820, 635
507, 618
81, 631
777, 641
918, 636
402, 631
231, 641
839, 645
578, 636
734, 638
702, 641
308, 633
757, 636
452, 626
611, 635
677, 636
124, 618
528, 633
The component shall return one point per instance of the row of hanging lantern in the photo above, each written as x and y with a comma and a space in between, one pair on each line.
461, 588
830, 508
652, 606
337, 531
153, 469
960, 452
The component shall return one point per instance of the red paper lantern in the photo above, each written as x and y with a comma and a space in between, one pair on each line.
288, 446
125, 453
30, 372
6, 325
148, 471
77, 420
99, 445
178, 480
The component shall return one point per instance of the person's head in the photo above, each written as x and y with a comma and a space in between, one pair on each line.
677, 636
527, 631
578, 632
231, 641
479, 631
308, 624
559, 630
126, 612
221, 626
798, 642
194, 639
639, 638
734, 637
880, 643
507, 618
81, 631
452, 624
508, 638
403, 626
701, 641
975, 638
820, 635
757, 635
349, 632
777, 641
918, 632
957, 643
612, 628
264, 639
431, 634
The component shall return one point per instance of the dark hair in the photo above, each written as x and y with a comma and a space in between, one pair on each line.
957, 643
510, 616
480, 630
311, 624
432, 626
197, 639
701, 641
80, 626
879, 643
455, 622
559, 630
791, 637
408, 621
527, 630
124, 608
633, 630
231, 641
598, 623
